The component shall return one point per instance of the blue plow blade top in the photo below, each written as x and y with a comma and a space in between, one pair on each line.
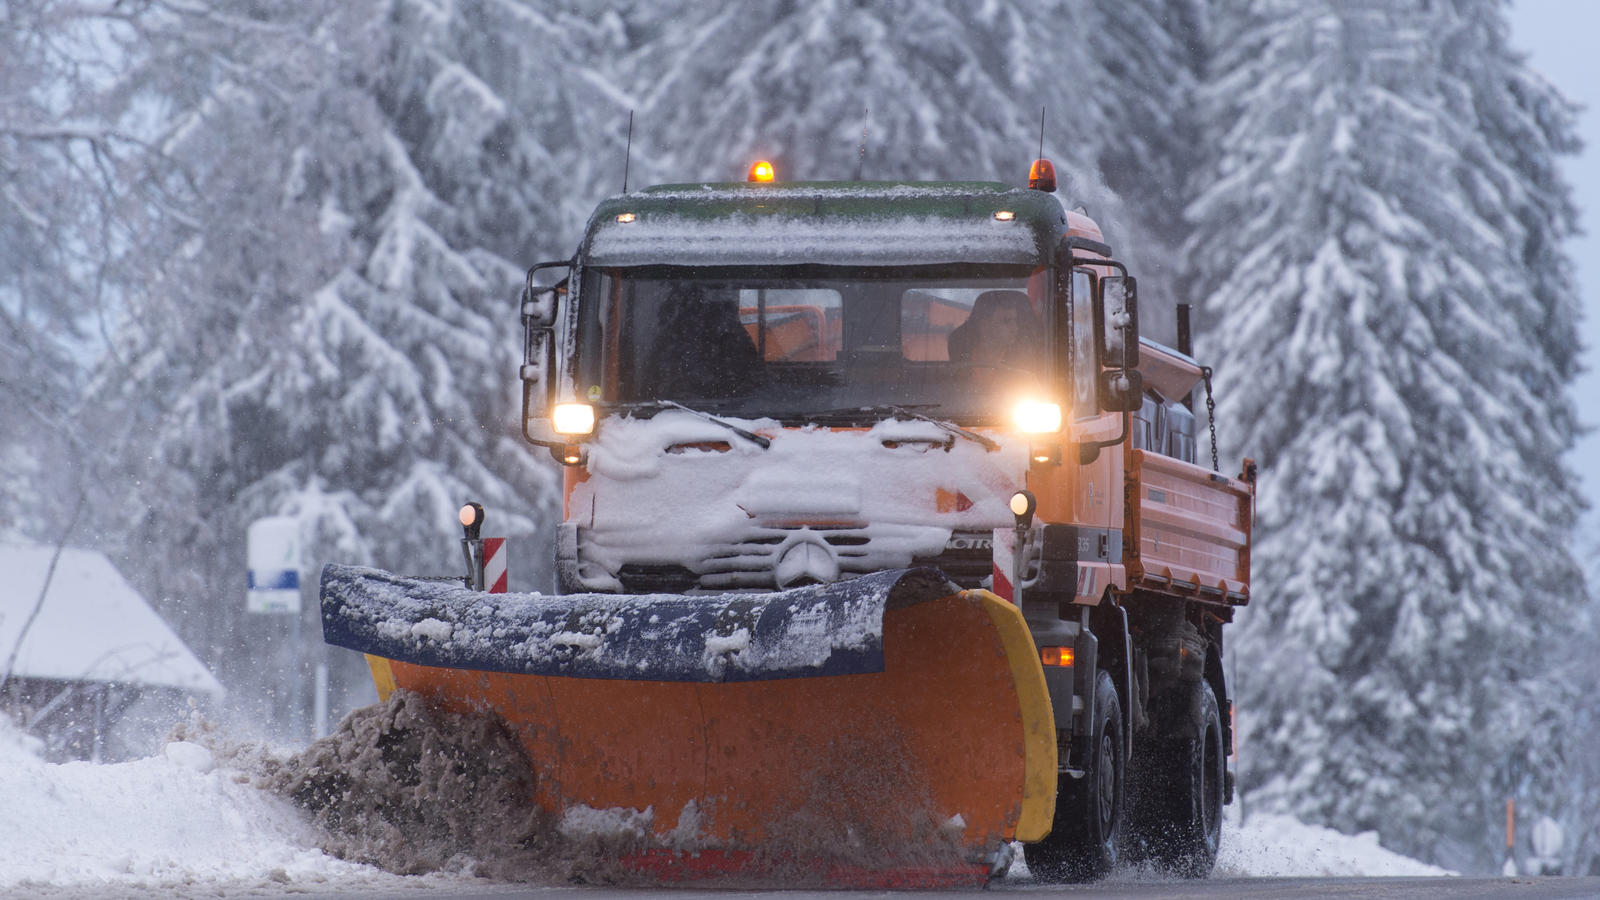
834, 629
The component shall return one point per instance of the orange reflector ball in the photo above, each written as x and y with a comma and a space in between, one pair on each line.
1056, 656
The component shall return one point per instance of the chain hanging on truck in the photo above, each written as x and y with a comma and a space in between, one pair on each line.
1211, 416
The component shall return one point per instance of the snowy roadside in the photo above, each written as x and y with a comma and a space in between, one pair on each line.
1272, 846
177, 824
171, 823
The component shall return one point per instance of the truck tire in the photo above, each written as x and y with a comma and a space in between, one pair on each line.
1176, 811
1085, 837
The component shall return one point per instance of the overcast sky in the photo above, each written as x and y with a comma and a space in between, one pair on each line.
1560, 36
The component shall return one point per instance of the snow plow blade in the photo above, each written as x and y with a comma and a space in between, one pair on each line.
886, 711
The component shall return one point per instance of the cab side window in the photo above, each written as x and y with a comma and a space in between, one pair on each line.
1085, 368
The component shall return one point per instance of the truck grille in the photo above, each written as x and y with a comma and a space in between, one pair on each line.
748, 563
642, 579
967, 568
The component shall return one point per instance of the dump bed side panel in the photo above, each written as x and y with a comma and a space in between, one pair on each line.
1188, 529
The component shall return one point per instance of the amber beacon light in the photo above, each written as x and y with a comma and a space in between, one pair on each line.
1042, 176
761, 171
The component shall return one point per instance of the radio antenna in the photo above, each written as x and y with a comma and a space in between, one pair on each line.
627, 154
861, 158
1041, 134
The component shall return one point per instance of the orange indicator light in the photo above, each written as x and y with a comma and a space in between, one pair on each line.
1056, 656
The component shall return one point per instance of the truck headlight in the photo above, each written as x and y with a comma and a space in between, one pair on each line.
572, 418
1036, 417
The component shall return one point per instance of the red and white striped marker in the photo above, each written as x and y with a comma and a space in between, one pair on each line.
494, 565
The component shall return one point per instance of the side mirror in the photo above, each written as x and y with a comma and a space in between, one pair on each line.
1119, 321
538, 361
537, 385
1121, 390
539, 306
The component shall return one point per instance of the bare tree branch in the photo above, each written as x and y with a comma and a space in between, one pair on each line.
44, 590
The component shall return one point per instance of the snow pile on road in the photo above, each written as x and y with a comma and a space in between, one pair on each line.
414, 790
163, 823
1276, 846
204, 815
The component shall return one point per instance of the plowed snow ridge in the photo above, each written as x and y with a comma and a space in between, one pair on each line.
200, 815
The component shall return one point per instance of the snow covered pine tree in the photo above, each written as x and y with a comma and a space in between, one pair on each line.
956, 96
1145, 58
329, 324
1377, 249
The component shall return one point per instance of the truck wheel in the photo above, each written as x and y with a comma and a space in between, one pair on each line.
1177, 810
1084, 839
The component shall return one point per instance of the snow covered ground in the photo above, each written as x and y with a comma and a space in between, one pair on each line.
1279, 846
166, 823
178, 824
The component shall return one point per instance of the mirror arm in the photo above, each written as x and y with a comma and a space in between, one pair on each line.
1096, 261
1079, 242
528, 283
1089, 451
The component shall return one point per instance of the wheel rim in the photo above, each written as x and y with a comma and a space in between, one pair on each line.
1107, 779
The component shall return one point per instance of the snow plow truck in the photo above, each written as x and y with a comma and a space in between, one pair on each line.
883, 526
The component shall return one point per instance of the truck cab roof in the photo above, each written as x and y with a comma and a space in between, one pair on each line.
829, 223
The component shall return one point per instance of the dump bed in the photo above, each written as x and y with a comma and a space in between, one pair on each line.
1187, 529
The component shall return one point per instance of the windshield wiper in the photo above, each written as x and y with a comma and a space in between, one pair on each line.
910, 412
751, 436
987, 443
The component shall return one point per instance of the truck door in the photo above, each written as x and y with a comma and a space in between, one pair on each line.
1095, 491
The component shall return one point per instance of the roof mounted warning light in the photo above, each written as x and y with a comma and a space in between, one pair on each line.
761, 171
1042, 176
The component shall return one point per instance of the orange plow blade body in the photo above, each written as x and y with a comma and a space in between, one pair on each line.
888, 711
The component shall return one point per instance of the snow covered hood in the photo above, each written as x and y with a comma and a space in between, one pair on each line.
832, 629
844, 223
730, 516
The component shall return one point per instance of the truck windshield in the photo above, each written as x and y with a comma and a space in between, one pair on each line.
816, 343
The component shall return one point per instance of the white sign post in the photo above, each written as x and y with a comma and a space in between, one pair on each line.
1547, 839
273, 552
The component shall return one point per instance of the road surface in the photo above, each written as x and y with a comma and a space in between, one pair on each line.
1245, 888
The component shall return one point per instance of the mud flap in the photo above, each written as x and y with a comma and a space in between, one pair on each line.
885, 711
